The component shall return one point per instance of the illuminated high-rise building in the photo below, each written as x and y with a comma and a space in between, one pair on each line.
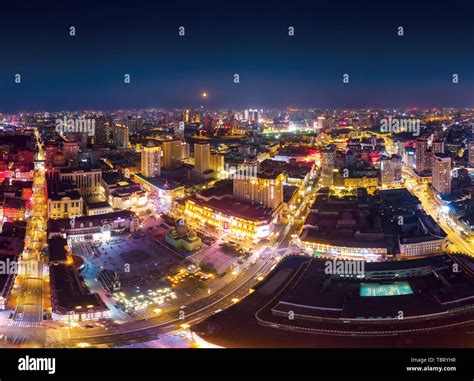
121, 136
151, 160
217, 162
409, 154
391, 169
264, 189
423, 162
327, 166
441, 179
102, 131
202, 157
253, 115
471, 153
184, 150
323, 123
436, 148
172, 153
320, 124
234, 124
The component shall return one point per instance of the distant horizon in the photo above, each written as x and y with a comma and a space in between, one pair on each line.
283, 55
234, 108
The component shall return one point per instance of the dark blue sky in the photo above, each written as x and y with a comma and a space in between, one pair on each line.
246, 37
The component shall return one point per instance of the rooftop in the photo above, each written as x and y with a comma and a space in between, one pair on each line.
62, 224
57, 190
159, 182
69, 293
230, 207
57, 249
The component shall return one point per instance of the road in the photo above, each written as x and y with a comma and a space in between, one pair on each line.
30, 280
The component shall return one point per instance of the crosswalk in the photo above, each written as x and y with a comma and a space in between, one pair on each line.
25, 324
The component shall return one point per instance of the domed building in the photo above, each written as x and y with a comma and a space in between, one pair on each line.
182, 238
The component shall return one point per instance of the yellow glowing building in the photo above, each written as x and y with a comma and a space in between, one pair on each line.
202, 157
244, 221
264, 189
361, 182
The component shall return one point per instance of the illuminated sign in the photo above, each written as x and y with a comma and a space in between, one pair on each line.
263, 231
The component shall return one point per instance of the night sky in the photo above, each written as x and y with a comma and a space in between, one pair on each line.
227, 37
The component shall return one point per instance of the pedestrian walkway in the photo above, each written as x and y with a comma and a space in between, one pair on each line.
25, 324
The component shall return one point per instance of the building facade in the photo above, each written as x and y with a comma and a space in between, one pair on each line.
264, 189
151, 161
172, 153
442, 174
64, 200
202, 157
